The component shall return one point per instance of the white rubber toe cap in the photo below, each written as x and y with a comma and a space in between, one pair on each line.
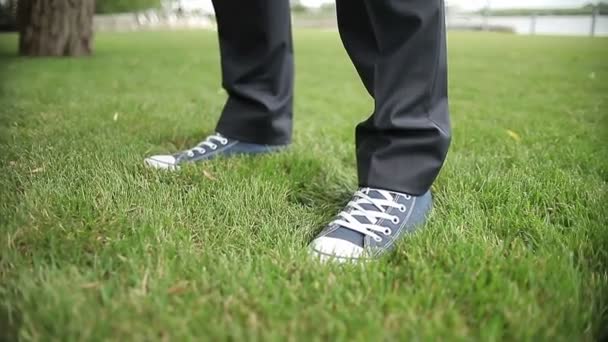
161, 162
328, 248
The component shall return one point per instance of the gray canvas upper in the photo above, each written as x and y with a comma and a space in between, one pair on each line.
410, 214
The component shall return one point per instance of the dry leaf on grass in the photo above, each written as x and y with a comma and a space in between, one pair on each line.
513, 135
92, 285
178, 288
209, 175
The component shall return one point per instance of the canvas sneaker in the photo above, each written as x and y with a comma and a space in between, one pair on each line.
370, 225
213, 146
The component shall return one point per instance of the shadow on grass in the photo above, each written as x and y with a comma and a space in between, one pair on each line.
10, 323
317, 188
8, 54
313, 185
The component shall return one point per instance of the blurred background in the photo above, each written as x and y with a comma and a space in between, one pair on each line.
92, 244
528, 17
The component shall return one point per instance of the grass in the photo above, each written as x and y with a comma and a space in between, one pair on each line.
96, 247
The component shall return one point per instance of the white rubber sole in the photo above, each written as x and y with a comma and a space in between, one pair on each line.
161, 163
328, 249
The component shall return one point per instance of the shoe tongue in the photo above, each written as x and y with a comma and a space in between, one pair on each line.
373, 193
354, 236
368, 206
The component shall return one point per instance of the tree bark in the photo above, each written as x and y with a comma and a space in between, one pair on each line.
55, 27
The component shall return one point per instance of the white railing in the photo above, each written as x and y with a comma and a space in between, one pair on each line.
551, 25
151, 20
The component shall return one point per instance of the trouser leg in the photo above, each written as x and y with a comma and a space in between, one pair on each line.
398, 48
257, 70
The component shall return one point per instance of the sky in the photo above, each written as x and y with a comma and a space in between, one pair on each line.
475, 4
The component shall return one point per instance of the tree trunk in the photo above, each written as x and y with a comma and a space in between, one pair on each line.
55, 27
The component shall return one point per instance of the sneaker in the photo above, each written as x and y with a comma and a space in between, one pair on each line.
370, 225
213, 146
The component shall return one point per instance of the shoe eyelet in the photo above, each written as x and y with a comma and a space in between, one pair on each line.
402, 208
407, 197
213, 147
203, 151
190, 154
224, 141
395, 220
388, 231
378, 239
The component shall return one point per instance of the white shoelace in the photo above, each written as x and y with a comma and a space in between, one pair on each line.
348, 219
208, 142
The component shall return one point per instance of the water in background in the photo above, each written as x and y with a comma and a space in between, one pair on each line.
547, 25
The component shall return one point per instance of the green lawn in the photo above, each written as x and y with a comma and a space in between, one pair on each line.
94, 246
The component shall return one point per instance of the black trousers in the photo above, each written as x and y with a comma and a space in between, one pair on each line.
398, 48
